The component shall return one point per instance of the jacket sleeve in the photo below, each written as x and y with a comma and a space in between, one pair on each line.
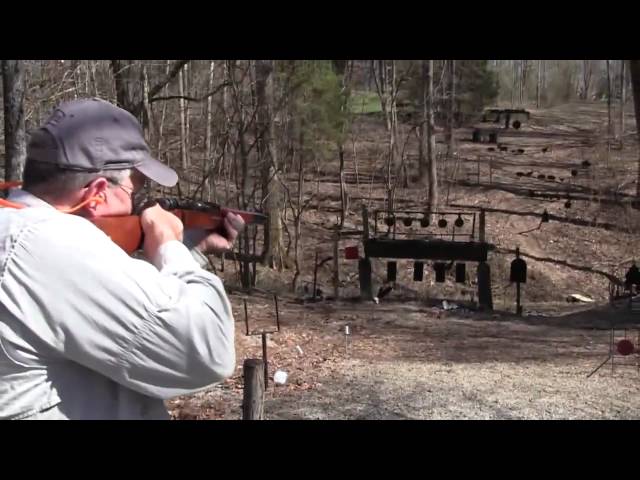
162, 331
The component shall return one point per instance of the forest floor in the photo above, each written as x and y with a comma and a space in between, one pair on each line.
409, 358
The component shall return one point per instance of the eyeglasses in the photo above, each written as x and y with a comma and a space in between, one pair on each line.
127, 190
139, 197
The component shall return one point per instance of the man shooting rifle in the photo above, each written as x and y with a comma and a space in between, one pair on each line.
86, 331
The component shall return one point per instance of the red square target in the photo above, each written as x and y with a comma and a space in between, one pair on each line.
351, 253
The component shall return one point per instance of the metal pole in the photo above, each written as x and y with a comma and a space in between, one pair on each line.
246, 316
264, 359
275, 299
315, 274
611, 349
481, 226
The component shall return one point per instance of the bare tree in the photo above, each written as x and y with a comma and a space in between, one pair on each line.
126, 75
622, 100
432, 166
634, 70
300, 205
128, 79
587, 69
609, 134
13, 84
449, 134
160, 126
427, 164
539, 83
345, 70
184, 158
206, 164
514, 81
524, 71
422, 128
271, 191
384, 75
146, 106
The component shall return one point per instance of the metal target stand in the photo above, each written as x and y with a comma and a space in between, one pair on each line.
621, 346
263, 333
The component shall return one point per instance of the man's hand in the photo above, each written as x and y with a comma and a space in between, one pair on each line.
159, 227
207, 242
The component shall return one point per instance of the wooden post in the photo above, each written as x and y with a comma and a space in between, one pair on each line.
518, 306
253, 394
265, 360
364, 264
478, 171
365, 223
481, 226
485, 299
364, 274
336, 267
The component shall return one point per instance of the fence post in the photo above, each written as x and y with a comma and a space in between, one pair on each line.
253, 394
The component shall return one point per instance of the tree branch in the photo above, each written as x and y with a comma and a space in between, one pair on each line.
191, 99
173, 71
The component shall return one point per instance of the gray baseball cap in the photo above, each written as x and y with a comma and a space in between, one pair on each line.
92, 135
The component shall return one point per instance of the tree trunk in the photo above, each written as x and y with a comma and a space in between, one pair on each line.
514, 82
432, 165
207, 166
15, 146
298, 212
184, 162
162, 117
422, 130
343, 187
427, 165
240, 108
452, 102
271, 191
129, 91
586, 79
226, 107
608, 103
539, 84
523, 79
385, 84
634, 69
346, 80
146, 107
622, 100
187, 112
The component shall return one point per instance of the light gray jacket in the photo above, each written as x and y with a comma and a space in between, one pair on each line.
87, 332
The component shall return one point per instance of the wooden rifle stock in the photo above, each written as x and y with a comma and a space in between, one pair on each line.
126, 231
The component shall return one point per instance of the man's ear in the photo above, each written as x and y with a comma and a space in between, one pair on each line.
96, 189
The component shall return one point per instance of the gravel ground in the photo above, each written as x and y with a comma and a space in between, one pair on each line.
415, 362
490, 391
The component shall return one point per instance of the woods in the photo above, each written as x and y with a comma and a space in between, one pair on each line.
538, 157
259, 134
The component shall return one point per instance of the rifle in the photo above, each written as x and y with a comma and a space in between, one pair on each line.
126, 231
